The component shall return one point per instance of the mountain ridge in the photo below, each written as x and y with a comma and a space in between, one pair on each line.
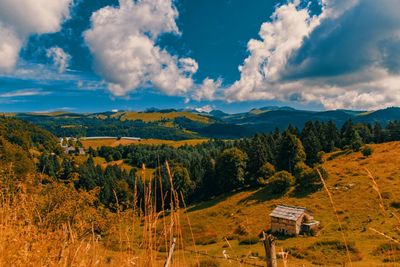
186, 123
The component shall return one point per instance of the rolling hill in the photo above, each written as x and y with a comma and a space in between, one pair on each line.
243, 215
191, 124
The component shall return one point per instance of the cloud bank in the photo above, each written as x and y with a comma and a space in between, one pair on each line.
21, 18
346, 57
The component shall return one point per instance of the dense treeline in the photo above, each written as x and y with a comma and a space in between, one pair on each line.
278, 160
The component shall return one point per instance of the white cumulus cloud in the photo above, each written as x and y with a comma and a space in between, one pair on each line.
21, 18
268, 56
346, 57
208, 90
123, 41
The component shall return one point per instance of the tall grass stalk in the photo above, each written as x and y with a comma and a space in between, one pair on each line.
337, 217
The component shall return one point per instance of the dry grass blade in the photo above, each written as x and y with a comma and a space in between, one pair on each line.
337, 217
376, 188
385, 235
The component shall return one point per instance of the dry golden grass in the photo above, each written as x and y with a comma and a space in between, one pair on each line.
356, 200
60, 227
114, 142
208, 229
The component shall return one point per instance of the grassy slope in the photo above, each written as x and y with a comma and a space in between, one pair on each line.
355, 199
158, 116
114, 142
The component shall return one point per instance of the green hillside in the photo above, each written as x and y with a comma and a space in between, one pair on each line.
190, 124
244, 215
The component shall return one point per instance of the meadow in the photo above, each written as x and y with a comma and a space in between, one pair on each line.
115, 142
223, 231
159, 116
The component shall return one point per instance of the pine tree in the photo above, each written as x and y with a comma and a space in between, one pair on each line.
291, 152
378, 134
331, 136
312, 146
259, 153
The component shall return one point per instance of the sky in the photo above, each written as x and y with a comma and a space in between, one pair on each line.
232, 55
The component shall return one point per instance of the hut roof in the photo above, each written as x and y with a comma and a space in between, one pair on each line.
288, 212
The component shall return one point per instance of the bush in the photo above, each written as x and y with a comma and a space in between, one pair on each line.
395, 204
249, 240
308, 179
281, 182
367, 151
206, 239
266, 171
208, 263
301, 170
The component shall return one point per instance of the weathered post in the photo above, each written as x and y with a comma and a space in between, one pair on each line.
170, 253
270, 252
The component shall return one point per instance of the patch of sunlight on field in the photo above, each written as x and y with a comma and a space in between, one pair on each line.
114, 142
159, 116
103, 163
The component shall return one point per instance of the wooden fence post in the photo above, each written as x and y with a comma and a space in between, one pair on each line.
170, 253
270, 252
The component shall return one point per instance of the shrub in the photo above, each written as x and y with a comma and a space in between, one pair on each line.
308, 179
206, 239
249, 240
301, 170
266, 171
281, 182
367, 151
208, 263
395, 204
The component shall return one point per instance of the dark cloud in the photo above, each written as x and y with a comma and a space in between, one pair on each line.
366, 35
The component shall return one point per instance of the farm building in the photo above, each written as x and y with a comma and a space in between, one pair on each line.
290, 220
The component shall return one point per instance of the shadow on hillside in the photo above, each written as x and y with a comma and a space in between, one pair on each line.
210, 203
261, 195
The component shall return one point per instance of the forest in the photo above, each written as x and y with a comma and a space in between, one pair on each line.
73, 199
279, 160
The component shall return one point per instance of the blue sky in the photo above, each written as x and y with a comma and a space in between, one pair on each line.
87, 56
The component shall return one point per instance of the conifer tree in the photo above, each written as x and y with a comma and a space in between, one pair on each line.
312, 146
291, 152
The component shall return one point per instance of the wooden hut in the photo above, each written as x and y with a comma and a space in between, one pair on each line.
291, 220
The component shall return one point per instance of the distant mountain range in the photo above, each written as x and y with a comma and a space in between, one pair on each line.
180, 124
